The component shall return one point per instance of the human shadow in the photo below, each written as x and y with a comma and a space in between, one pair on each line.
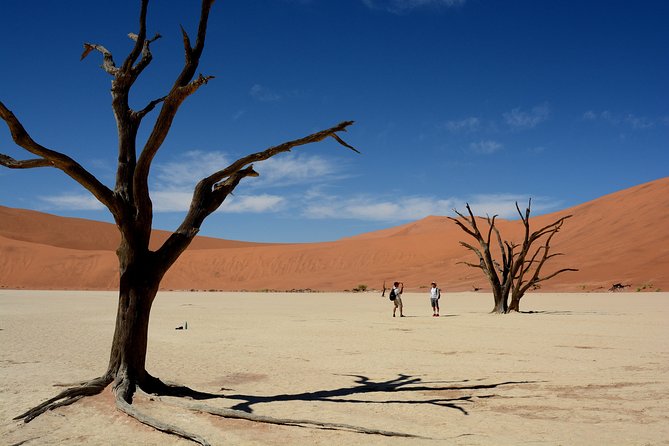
366, 386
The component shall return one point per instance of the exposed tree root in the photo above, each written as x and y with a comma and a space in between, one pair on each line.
125, 389
238, 414
143, 418
66, 398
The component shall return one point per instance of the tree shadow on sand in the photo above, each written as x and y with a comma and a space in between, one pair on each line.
404, 389
403, 384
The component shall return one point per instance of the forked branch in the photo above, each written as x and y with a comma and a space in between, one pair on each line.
212, 191
51, 158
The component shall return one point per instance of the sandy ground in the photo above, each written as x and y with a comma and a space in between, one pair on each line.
581, 369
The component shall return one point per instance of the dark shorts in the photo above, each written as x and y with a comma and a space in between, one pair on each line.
434, 301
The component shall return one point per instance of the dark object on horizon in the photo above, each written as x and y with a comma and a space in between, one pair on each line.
618, 287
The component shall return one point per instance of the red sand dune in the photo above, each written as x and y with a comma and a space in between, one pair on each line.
619, 238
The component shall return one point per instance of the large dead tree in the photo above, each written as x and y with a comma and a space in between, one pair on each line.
141, 269
519, 268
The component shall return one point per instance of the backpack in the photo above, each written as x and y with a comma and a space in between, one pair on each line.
391, 296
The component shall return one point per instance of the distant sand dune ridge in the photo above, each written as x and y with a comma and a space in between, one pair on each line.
619, 238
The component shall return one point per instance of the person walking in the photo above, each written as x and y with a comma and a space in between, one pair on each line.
398, 289
435, 294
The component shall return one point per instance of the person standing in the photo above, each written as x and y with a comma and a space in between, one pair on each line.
398, 289
435, 294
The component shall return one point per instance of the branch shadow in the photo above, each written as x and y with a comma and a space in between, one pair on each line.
366, 386
163, 388
558, 312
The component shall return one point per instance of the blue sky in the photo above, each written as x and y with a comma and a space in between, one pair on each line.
455, 101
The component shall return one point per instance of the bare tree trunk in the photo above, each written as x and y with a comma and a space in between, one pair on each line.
500, 301
141, 270
127, 360
140, 278
515, 303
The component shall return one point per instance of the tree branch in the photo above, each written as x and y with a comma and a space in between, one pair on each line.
150, 106
10, 162
210, 192
476, 250
63, 162
147, 56
138, 38
181, 89
107, 60
550, 276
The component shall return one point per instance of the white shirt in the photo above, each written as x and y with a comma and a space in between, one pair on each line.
434, 293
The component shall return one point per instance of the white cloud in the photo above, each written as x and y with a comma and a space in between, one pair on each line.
405, 209
175, 180
368, 208
263, 94
639, 122
589, 116
253, 203
286, 169
504, 205
171, 200
632, 120
485, 147
520, 119
191, 167
470, 124
293, 169
75, 202
178, 201
402, 6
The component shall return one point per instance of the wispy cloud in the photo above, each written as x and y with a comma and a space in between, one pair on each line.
189, 168
173, 190
369, 208
485, 147
263, 94
639, 122
173, 183
179, 201
294, 169
470, 124
171, 200
504, 205
175, 180
74, 202
316, 205
404, 6
521, 119
253, 204
630, 119
416, 207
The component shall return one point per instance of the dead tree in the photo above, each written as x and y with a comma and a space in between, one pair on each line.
519, 268
142, 269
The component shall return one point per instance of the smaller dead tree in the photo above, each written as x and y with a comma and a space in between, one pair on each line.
520, 267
